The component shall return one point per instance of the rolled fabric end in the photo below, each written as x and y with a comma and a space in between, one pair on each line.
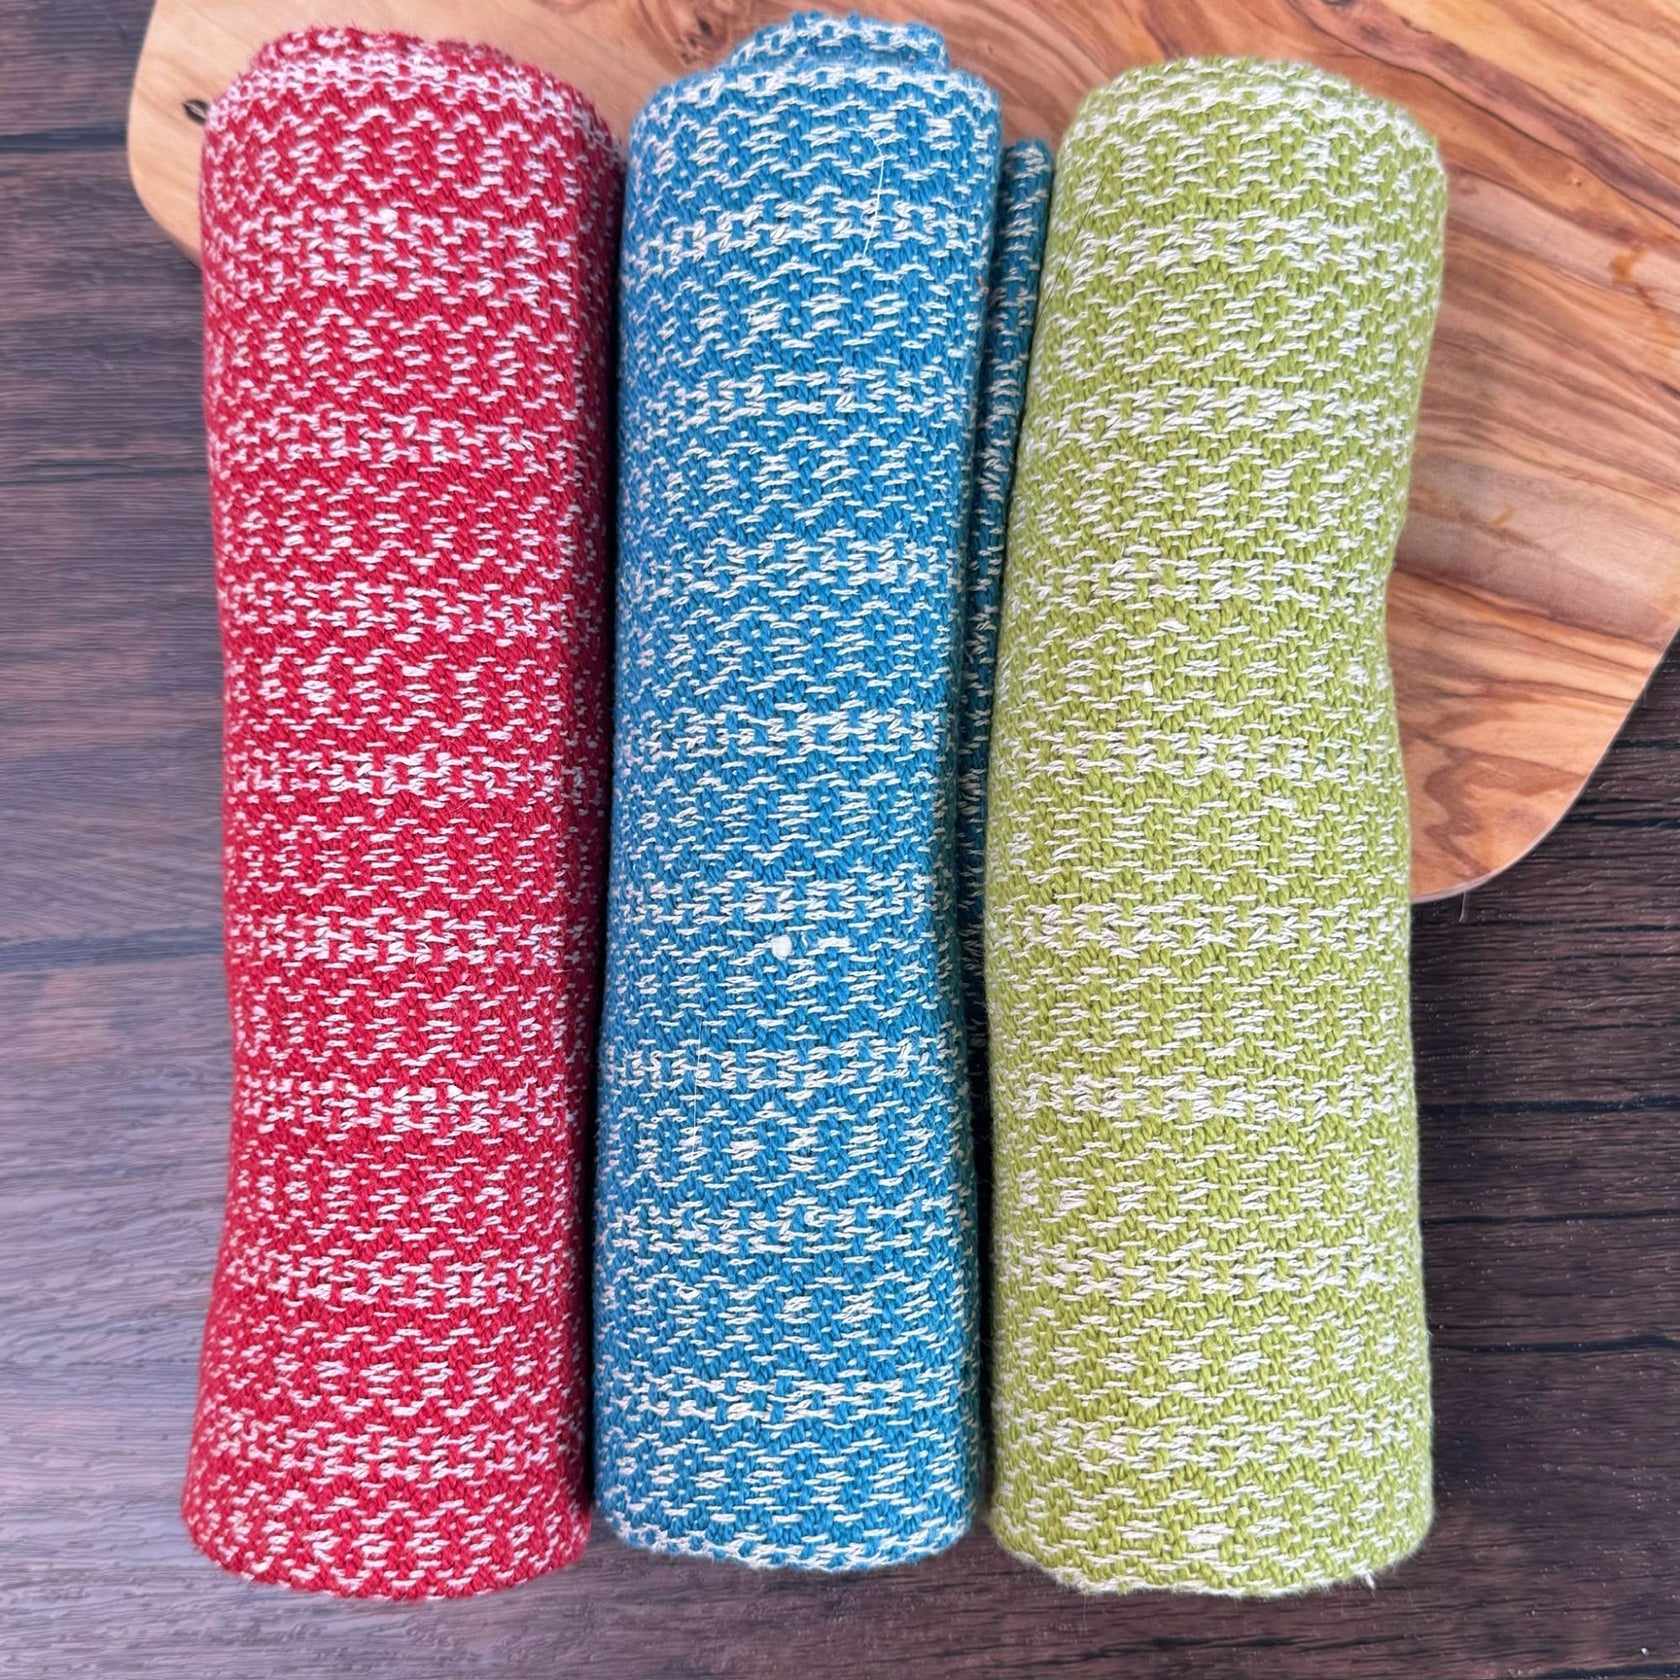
1211, 1355
1023, 212
786, 1276
408, 270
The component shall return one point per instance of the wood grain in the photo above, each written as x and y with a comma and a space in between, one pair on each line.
1539, 574
1547, 1013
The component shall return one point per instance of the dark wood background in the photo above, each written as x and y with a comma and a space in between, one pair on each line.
1547, 1012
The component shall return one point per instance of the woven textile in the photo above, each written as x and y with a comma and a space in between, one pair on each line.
1211, 1367
785, 1281
1011, 306
408, 310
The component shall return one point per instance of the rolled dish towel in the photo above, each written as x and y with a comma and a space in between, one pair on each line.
408, 306
786, 1359
1212, 1368
1011, 307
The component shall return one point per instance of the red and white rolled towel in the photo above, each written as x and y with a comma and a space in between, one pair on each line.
408, 265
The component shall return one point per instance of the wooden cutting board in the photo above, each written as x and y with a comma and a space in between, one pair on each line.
1538, 580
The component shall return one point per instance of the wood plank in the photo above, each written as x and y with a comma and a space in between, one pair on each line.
113, 726
92, 390
1539, 572
65, 74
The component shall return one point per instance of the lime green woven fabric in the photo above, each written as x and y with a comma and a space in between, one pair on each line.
1211, 1363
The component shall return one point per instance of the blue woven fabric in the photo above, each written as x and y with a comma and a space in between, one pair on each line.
1011, 308
786, 1300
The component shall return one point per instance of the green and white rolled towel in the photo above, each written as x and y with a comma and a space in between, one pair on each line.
1211, 1360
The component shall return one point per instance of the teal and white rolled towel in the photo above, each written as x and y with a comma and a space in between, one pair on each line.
786, 1293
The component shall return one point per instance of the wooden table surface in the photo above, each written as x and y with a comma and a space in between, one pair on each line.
1548, 1017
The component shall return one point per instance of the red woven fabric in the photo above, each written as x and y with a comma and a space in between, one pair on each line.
408, 259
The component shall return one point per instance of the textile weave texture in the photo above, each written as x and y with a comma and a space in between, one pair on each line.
786, 1359
1011, 306
408, 314
1211, 1361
